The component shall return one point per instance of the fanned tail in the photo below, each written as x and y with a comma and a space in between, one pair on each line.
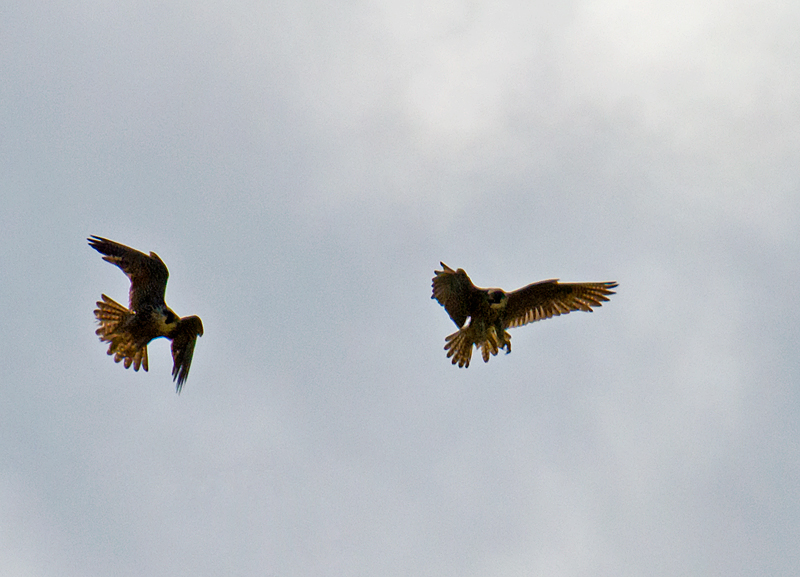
112, 317
459, 344
492, 344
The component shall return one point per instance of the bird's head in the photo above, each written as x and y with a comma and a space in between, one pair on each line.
194, 325
497, 298
170, 318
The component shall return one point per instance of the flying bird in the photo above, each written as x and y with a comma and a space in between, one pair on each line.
128, 331
483, 315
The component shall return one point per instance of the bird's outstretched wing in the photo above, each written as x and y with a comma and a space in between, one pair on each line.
184, 337
454, 291
549, 298
148, 274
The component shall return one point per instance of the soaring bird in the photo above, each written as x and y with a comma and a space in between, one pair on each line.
483, 315
129, 330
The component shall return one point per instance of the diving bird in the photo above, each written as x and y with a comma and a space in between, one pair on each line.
483, 315
129, 330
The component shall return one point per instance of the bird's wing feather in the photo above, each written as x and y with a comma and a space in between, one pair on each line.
184, 337
550, 298
148, 274
454, 290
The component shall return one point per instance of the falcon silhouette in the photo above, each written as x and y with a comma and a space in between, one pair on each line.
129, 330
483, 315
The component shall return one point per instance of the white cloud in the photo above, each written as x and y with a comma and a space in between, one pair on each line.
302, 169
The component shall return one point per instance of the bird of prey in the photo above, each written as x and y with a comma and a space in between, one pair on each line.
129, 330
483, 315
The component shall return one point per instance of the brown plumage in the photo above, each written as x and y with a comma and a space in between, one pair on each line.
491, 311
128, 331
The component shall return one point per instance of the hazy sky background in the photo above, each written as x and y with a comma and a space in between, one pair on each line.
302, 168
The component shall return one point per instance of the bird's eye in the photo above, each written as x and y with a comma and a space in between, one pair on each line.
496, 297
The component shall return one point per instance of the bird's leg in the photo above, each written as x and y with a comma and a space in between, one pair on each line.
502, 338
507, 343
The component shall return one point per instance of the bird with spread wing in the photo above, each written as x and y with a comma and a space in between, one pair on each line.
483, 315
128, 331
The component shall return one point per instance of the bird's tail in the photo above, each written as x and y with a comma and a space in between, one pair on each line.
112, 317
459, 344
492, 343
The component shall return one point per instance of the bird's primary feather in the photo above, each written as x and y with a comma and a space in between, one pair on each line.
483, 315
128, 331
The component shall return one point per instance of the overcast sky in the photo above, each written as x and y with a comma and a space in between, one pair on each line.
302, 168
